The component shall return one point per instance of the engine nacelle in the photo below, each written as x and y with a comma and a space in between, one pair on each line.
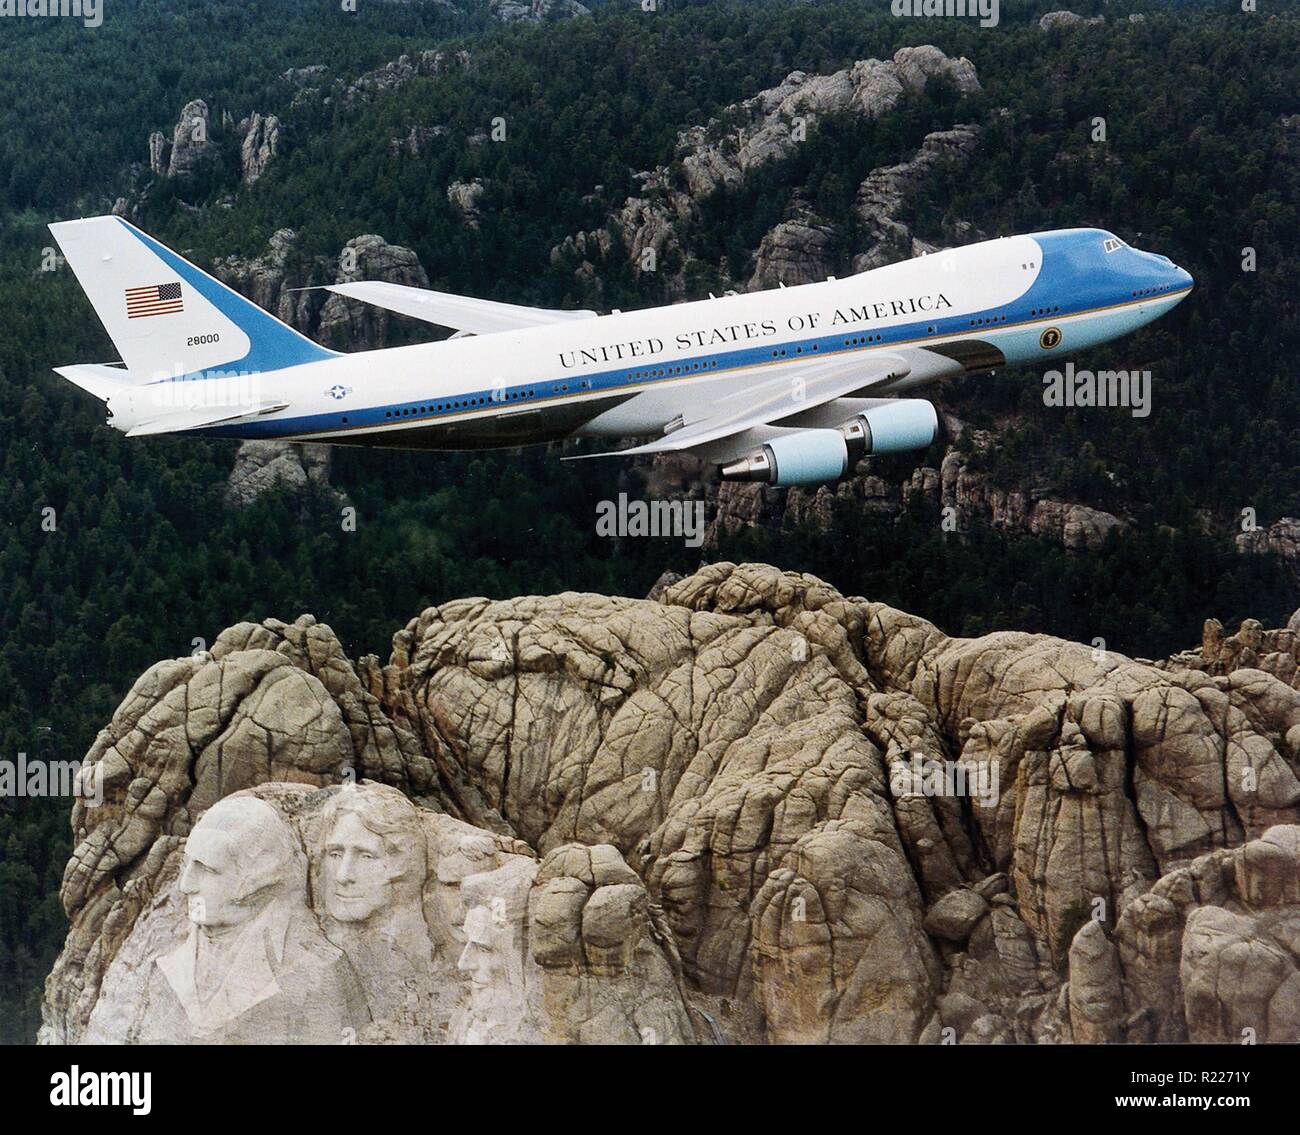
815, 456
809, 457
891, 427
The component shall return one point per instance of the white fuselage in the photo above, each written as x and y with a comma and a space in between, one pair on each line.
1013, 300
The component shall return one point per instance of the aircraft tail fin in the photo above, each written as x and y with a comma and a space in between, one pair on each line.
167, 318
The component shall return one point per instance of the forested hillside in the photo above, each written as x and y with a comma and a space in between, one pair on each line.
140, 558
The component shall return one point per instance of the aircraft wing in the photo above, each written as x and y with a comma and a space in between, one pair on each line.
178, 420
737, 422
480, 317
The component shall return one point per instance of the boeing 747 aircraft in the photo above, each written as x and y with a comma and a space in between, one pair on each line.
789, 386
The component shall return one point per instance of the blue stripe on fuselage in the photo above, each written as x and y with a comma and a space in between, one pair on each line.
1076, 276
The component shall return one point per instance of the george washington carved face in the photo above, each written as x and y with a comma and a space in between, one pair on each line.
237, 857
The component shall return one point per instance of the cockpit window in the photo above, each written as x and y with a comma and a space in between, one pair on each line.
1112, 244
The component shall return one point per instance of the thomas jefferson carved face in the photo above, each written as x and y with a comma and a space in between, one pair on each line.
357, 871
374, 858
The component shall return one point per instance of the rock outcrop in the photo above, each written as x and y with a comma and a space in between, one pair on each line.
159, 149
766, 127
1281, 538
191, 144
396, 73
1054, 21
1275, 651
972, 495
514, 11
270, 283
653, 227
800, 250
360, 326
1210, 953
817, 811
279, 282
262, 142
464, 197
416, 140
883, 193
264, 466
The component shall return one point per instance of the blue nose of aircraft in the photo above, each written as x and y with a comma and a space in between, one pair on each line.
1175, 278
1153, 274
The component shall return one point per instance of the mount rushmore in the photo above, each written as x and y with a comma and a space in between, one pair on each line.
749, 809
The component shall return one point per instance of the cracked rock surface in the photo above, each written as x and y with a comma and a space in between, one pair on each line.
751, 808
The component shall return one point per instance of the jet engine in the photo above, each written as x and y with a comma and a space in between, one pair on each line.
891, 427
814, 456
808, 457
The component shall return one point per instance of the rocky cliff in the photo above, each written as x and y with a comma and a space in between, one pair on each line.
752, 808
656, 228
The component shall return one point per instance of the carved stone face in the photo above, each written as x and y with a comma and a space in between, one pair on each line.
477, 961
237, 857
479, 958
212, 882
359, 873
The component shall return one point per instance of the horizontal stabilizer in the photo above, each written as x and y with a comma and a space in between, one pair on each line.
178, 421
479, 317
99, 379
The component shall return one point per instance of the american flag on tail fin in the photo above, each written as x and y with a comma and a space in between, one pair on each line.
155, 299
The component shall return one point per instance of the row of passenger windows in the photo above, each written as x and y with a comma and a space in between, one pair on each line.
663, 372
459, 404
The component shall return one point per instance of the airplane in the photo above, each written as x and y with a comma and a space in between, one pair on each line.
793, 385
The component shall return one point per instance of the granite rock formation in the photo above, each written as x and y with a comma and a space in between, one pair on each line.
263, 140
465, 198
1282, 538
272, 283
396, 73
191, 144
752, 808
1275, 651
720, 155
799, 250
1065, 19
265, 466
535, 11
884, 191
356, 325
764, 128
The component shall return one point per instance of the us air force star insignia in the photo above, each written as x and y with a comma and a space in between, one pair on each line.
336, 391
